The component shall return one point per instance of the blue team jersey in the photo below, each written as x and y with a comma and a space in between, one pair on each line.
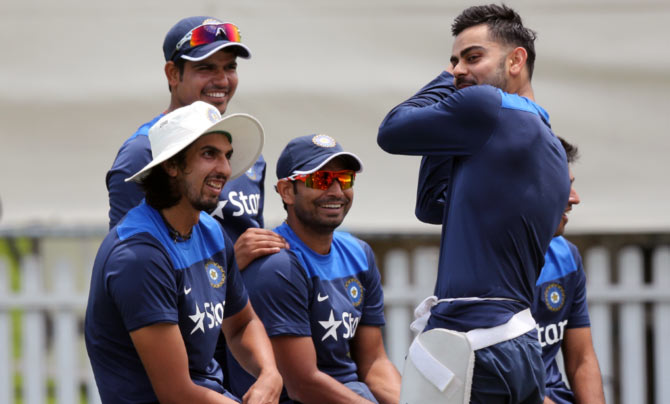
325, 297
560, 304
240, 203
503, 191
142, 277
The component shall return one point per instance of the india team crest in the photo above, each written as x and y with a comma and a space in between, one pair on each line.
324, 141
251, 173
216, 274
355, 291
554, 296
213, 115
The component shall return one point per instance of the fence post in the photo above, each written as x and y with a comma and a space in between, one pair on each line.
33, 353
633, 341
397, 324
661, 321
597, 266
6, 358
424, 276
65, 335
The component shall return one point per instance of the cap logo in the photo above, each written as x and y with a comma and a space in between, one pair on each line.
324, 141
211, 21
213, 115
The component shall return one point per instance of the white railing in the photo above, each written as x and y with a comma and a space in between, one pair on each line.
628, 290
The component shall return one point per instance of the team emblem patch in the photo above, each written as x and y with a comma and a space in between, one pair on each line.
554, 296
216, 274
354, 291
324, 141
213, 115
251, 173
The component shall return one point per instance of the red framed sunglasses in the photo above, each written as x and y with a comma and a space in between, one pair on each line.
208, 33
323, 179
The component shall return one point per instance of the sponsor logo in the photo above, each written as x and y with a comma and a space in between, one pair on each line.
323, 141
321, 298
551, 334
211, 316
354, 291
216, 274
349, 321
554, 296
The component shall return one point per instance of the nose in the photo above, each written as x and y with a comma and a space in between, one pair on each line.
221, 78
335, 189
574, 199
223, 167
459, 70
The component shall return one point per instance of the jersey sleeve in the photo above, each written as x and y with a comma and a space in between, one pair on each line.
236, 293
431, 193
439, 120
280, 294
123, 196
373, 301
142, 284
579, 312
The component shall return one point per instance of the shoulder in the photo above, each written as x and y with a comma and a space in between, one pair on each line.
559, 260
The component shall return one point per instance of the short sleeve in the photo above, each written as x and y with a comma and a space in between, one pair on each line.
142, 284
579, 313
280, 294
373, 304
236, 292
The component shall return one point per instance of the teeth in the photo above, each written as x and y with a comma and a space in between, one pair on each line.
217, 95
214, 184
332, 206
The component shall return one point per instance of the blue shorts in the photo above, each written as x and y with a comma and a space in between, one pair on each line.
560, 393
509, 372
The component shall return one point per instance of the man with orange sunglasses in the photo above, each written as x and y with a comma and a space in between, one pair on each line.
321, 300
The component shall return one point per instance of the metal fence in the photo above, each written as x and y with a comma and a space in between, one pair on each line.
44, 286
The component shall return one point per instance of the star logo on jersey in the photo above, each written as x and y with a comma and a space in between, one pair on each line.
354, 291
216, 274
330, 326
198, 318
218, 211
554, 296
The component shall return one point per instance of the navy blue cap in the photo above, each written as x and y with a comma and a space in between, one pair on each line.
183, 27
306, 154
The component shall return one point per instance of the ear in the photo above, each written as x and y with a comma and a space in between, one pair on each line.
286, 191
172, 74
517, 61
170, 168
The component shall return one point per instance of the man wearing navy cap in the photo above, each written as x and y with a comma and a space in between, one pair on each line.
321, 300
165, 283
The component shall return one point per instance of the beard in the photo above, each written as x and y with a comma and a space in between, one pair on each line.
323, 224
498, 78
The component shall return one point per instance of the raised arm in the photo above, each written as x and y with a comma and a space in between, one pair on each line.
439, 121
303, 380
431, 193
374, 367
169, 374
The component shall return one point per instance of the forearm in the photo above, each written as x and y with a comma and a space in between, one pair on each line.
320, 388
383, 380
251, 347
586, 382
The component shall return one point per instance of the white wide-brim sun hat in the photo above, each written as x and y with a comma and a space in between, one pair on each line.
183, 126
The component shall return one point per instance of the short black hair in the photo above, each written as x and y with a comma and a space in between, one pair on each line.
159, 188
571, 150
504, 25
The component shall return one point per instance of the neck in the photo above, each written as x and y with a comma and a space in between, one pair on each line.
181, 217
522, 88
317, 239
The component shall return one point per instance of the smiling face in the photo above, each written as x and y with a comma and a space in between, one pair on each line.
213, 80
477, 59
205, 171
320, 211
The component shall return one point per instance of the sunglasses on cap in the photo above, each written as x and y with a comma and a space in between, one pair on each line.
208, 33
324, 179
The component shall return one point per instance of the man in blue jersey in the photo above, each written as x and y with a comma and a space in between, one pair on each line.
321, 300
501, 177
201, 64
165, 283
563, 318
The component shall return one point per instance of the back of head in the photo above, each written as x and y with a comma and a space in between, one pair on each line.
504, 25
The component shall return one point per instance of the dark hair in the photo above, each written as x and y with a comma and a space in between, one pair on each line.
159, 188
570, 150
504, 24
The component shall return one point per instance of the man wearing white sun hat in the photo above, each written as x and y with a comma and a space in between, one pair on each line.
165, 273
